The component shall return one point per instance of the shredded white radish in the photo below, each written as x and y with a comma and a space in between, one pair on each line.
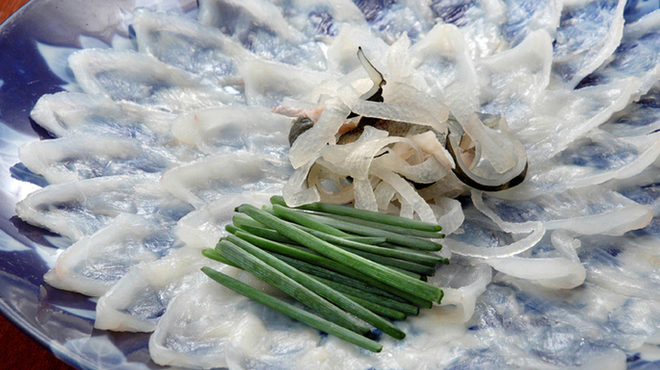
407, 192
296, 192
310, 143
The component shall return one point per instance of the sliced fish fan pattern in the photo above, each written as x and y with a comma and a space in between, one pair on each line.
158, 139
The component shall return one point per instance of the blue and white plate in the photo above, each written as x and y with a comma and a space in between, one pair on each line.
59, 320
36, 42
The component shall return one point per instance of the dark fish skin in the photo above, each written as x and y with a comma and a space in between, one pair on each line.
300, 125
467, 180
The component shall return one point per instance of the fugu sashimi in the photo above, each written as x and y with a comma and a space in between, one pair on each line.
261, 27
514, 81
236, 17
586, 211
643, 189
588, 33
268, 83
557, 271
577, 319
411, 17
480, 21
80, 208
524, 17
138, 300
206, 180
594, 159
188, 45
229, 128
443, 53
89, 156
636, 56
638, 118
565, 115
210, 326
94, 264
205, 226
321, 18
628, 267
141, 78
65, 114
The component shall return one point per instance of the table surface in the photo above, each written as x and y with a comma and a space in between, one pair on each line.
7, 7
19, 351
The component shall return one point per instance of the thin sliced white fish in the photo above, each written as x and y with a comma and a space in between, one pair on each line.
141, 78
637, 119
588, 34
267, 83
636, 56
51, 158
532, 303
208, 326
462, 286
94, 264
136, 302
587, 211
203, 228
642, 189
321, 18
204, 181
88, 156
562, 116
510, 227
443, 63
261, 28
455, 52
229, 128
69, 113
627, 267
595, 159
525, 18
480, 21
413, 18
80, 208
230, 15
513, 81
191, 46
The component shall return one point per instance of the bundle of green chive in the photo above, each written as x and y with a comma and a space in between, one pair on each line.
354, 268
